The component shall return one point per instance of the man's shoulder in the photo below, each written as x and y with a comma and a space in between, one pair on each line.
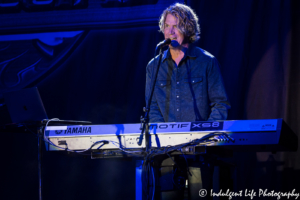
154, 60
202, 54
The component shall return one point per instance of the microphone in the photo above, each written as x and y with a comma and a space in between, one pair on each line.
163, 43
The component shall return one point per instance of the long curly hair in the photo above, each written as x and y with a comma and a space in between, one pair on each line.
187, 21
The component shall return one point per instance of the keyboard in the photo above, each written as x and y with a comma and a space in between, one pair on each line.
243, 135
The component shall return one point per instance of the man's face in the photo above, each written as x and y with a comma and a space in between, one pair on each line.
171, 29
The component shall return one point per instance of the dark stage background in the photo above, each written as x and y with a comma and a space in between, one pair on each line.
89, 64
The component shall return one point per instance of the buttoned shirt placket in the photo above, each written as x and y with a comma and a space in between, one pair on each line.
177, 84
177, 92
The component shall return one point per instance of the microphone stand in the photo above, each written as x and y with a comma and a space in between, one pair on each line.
145, 119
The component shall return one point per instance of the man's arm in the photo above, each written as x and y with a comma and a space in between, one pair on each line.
216, 92
154, 114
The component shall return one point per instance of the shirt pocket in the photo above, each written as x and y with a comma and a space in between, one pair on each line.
163, 90
192, 88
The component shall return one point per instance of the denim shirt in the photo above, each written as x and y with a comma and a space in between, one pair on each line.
191, 91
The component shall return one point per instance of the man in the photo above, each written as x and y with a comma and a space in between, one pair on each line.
189, 87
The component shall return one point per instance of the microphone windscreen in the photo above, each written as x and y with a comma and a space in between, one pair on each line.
174, 43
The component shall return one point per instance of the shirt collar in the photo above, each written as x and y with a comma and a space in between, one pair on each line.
191, 52
166, 54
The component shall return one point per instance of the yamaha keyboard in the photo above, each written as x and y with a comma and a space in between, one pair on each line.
254, 135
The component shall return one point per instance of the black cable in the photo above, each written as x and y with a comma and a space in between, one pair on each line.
187, 164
